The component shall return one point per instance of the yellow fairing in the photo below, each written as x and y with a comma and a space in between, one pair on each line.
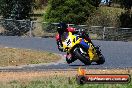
71, 41
92, 54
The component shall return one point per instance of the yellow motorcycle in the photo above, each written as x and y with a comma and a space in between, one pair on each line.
81, 49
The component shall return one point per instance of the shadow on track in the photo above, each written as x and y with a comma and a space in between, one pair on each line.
76, 65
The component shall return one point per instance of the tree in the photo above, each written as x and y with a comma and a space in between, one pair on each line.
127, 4
126, 20
106, 1
38, 4
15, 9
116, 1
96, 3
126, 17
69, 11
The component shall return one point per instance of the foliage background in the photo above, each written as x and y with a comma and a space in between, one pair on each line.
105, 16
69, 11
15, 9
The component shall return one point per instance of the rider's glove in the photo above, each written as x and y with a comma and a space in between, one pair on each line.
61, 49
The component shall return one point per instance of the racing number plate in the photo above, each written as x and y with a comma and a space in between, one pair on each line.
68, 42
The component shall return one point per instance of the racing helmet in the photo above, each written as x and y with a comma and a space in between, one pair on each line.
61, 27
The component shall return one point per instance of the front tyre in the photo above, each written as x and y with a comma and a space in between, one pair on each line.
83, 59
101, 59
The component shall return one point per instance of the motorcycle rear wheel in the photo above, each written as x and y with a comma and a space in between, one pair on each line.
83, 59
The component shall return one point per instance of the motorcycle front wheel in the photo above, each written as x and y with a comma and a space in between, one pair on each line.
83, 59
101, 59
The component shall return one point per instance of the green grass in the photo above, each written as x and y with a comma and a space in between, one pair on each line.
58, 82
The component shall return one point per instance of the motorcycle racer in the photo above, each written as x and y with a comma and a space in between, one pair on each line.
61, 29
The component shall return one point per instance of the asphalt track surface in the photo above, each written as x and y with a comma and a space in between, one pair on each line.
118, 54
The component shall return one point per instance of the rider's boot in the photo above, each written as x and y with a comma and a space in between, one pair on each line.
70, 58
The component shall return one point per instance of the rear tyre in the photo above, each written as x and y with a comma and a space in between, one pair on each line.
83, 59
